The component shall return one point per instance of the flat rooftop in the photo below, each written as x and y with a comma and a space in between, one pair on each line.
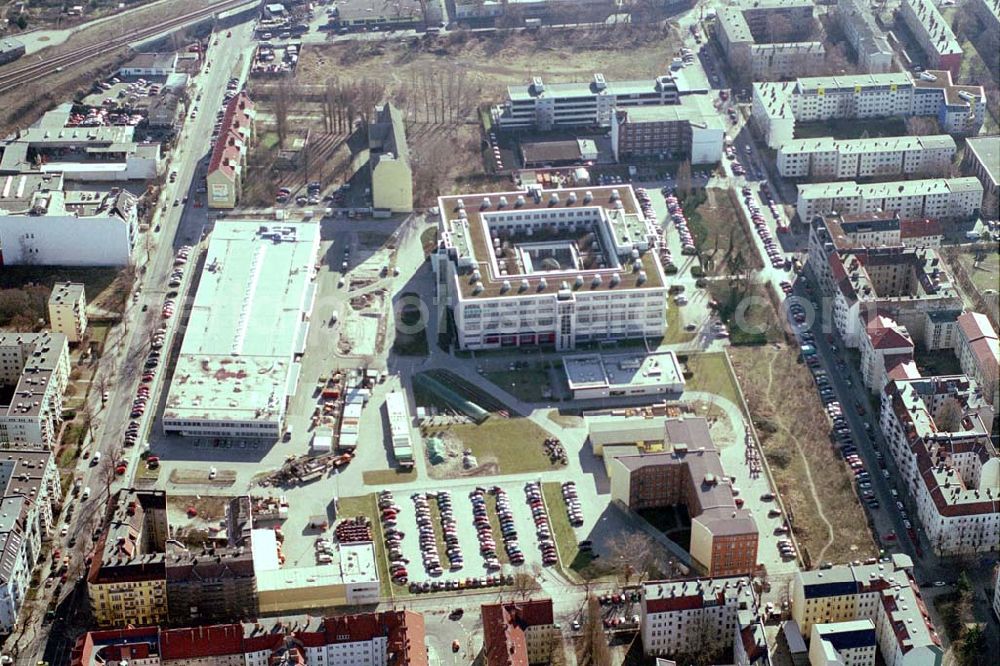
692, 108
247, 322
987, 151
465, 228
870, 145
591, 88
586, 371
937, 29
848, 82
897, 188
353, 563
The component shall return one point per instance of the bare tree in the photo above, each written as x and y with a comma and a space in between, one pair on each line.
593, 649
108, 470
684, 179
282, 105
948, 417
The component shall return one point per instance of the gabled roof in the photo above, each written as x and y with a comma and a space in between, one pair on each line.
890, 338
238, 116
976, 325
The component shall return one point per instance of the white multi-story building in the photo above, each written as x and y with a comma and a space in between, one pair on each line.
398, 414
42, 223
549, 267
866, 38
884, 593
937, 430
933, 33
68, 310
884, 346
30, 483
988, 12
238, 364
778, 106
739, 25
934, 198
545, 106
977, 349
37, 366
827, 157
843, 644
683, 617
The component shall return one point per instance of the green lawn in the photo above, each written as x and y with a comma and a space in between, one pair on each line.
986, 274
515, 444
851, 129
675, 327
386, 477
527, 385
710, 373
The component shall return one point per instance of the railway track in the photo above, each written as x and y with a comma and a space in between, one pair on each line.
11, 78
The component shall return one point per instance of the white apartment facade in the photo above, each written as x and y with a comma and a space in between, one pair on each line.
827, 157
933, 198
933, 33
950, 470
843, 644
682, 616
542, 106
37, 365
864, 35
68, 310
30, 483
495, 278
977, 349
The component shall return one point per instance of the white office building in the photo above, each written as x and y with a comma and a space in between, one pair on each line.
935, 198
42, 223
30, 483
827, 157
549, 267
866, 38
545, 106
248, 325
947, 463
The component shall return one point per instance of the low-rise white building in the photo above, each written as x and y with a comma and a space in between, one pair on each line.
611, 375
866, 38
934, 198
843, 644
977, 349
37, 366
43, 223
150, 64
549, 267
238, 364
68, 310
30, 484
937, 430
827, 157
678, 617
883, 593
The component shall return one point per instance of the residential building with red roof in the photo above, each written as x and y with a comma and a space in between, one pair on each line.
229, 154
977, 349
683, 617
519, 633
391, 638
885, 346
938, 432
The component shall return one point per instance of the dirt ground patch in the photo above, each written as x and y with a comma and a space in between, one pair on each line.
500, 446
817, 488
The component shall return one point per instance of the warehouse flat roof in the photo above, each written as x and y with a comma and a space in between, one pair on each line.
585, 371
246, 323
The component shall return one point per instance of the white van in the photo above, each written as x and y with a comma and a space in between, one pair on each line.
96, 459
86, 493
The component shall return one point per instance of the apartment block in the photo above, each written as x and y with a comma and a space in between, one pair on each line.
44, 223
689, 472
982, 160
977, 349
686, 616
68, 310
827, 157
933, 198
539, 268
224, 178
691, 130
843, 644
545, 106
988, 12
389, 638
778, 106
30, 484
866, 38
933, 33
937, 430
37, 366
744, 31
139, 576
886, 353
516, 633
884, 593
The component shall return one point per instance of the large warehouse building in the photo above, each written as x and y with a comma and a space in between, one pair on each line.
549, 267
237, 365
